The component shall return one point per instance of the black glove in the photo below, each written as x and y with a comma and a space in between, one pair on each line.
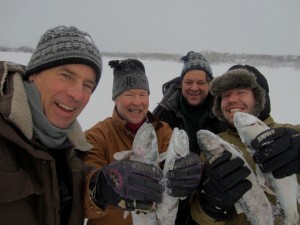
185, 177
130, 185
278, 151
223, 186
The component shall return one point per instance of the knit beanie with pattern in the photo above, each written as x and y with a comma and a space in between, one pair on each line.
195, 61
242, 77
65, 45
128, 74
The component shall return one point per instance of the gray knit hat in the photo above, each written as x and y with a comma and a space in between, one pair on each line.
128, 74
65, 45
195, 61
237, 78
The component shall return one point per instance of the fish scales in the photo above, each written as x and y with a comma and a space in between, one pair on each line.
285, 189
144, 149
254, 203
178, 147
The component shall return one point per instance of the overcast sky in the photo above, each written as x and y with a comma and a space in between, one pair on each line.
164, 26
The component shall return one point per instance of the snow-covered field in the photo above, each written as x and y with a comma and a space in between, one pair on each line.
283, 83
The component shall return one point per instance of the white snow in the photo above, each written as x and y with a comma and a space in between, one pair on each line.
284, 85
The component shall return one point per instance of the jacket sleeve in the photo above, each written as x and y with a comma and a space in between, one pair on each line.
165, 116
159, 112
94, 161
163, 137
91, 209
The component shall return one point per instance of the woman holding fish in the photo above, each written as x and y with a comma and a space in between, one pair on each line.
113, 187
245, 89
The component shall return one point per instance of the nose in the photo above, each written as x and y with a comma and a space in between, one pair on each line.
76, 92
194, 86
136, 100
232, 98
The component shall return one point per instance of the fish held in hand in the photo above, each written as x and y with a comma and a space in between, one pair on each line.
254, 203
178, 147
144, 149
285, 189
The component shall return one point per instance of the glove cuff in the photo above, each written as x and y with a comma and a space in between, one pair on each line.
95, 191
268, 136
217, 213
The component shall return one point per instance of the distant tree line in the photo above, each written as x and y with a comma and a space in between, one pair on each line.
213, 57
19, 49
272, 61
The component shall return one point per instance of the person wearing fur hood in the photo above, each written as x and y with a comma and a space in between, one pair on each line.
41, 142
241, 88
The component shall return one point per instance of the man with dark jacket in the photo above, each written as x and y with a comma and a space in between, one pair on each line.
41, 142
187, 105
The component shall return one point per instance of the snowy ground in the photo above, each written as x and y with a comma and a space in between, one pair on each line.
283, 83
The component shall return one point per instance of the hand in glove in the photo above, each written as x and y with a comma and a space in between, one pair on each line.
223, 186
185, 177
130, 185
278, 151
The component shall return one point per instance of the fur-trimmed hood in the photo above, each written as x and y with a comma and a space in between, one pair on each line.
15, 108
238, 78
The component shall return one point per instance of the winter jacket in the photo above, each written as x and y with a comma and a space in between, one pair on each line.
108, 137
238, 219
29, 192
168, 110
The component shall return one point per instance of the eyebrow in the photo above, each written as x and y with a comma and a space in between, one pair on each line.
64, 68
204, 80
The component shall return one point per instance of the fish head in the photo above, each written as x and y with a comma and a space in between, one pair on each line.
179, 142
210, 144
248, 126
144, 145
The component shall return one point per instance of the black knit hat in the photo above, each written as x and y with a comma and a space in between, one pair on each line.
195, 61
65, 45
128, 74
242, 76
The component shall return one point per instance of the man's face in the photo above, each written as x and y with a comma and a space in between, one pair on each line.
64, 91
241, 99
195, 87
132, 105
